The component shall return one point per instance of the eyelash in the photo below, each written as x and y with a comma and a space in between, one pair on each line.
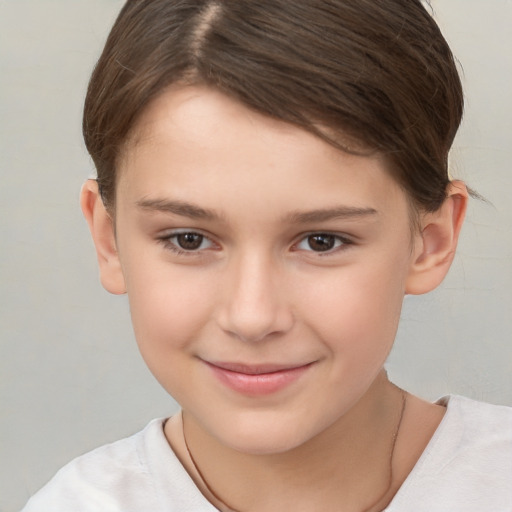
169, 244
343, 242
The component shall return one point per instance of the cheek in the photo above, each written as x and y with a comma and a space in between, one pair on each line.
169, 307
357, 309
170, 313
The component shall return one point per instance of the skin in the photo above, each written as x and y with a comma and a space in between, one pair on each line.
257, 291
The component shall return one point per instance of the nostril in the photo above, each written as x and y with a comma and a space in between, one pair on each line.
253, 324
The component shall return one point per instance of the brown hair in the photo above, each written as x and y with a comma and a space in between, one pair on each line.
378, 72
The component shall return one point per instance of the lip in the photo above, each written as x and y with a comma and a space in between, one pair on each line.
257, 380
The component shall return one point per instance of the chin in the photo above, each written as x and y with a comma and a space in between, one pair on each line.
256, 437
271, 445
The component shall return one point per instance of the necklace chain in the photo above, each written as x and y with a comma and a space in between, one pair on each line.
367, 509
392, 451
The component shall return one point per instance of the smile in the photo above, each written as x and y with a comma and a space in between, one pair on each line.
257, 380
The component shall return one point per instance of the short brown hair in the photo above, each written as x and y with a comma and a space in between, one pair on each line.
378, 72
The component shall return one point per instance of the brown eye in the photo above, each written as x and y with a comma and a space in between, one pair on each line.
189, 241
321, 242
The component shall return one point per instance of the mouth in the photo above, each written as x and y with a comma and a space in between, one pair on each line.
257, 380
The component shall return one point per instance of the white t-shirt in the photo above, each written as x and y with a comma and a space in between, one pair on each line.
466, 467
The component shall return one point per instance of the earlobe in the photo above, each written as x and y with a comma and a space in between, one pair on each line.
436, 243
102, 230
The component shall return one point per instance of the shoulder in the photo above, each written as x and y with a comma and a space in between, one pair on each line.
467, 465
111, 478
480, 428
483, 410
134, 474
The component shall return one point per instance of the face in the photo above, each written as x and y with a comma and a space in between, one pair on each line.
265, 269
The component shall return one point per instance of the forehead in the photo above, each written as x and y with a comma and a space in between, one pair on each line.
199, 117
195, 139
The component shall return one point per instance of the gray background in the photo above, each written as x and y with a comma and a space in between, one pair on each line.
70, 375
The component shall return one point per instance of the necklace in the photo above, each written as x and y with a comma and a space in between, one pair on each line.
367, 509
392, 450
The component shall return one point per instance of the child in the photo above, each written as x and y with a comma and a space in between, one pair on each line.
272, 180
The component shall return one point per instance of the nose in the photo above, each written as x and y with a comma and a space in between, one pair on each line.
254, 303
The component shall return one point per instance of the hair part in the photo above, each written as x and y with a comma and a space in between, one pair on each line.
364, 75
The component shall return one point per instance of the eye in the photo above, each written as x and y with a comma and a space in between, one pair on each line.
189, 241
186, 242
322, 242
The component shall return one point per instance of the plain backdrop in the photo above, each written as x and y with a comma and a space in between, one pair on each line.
71, 377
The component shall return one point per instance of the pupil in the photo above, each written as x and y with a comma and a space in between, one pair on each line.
190, 241
321, 242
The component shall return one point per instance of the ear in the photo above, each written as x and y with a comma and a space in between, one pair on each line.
437, 240
101, 226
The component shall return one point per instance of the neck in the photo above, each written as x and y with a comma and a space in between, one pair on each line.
358, 449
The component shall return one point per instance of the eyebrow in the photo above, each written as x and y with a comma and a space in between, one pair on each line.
322, 215
192, 211
176, 207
